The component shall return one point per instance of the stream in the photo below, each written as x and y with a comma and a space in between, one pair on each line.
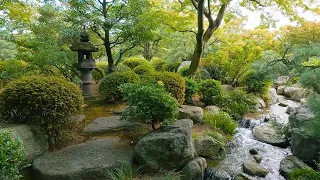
243, 141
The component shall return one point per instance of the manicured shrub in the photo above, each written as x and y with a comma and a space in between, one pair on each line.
304, 174
134, 62
237, 103
174, 83
172, 67
158, 64
121, 68
100, 71
144, 69
210, 91
221, 121
258, 83
12, 69
12, 154
44, 101
149, 103
191, 90
109, 86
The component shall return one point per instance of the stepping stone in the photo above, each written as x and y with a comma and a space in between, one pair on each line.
112, 124
89, 160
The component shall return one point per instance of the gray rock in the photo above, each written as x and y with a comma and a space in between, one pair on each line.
226, 87
112, 124
194, 170
272, 133
191, 112
257, 158
304, 101
253, 151
290, 110
243, 176
214, 109
289, 163
273, 96
289, 91
216, 174
281, 80
206, 146
254, 169
204, 73
33, 139
89, 160
184, 64
300, 94
283, 104
261, 103
169, 148
79, 118
280, 90
300, 116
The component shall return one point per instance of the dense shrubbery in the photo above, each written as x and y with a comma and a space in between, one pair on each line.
10, 70
221, 121
134, 62
216, 72
122, 67
191, 90
237, 103
159, 64
210, 91
109, 86
144, 69
174, 83
304, 174
258, 83
172, 67
100, 71
12, 154
149, 103
310, 79
44, 101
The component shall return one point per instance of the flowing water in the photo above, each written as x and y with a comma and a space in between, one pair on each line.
243, 141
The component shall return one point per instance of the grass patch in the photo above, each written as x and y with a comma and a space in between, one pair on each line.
220, 122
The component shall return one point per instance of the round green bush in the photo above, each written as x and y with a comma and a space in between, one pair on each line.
191, 90
174, 83
44, 101
158, 64
135, 61
100, 71
258, 83
12, 154
143, 69
210, 91
109, 86
121, 68
149, 103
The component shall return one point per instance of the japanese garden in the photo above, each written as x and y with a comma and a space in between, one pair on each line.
159, 90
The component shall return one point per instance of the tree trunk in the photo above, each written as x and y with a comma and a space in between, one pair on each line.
146, 51
107, 45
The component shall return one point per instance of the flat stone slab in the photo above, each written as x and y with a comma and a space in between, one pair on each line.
272, 133
112, 124
89, 160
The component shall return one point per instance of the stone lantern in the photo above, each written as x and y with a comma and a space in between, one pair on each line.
85, 62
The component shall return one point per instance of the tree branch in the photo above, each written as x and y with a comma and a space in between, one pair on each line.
124, 51
183, 31
256, 1
194, 4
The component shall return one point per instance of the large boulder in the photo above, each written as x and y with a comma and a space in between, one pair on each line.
273, 96
300, 116
90, 160
33, 139
261, 103
191, 112
194, 170
272, 133
184, 64
254, 169
169, 148
288, 164
280, 90
289, 91
281, 80
300, 94
216, 174
112, 124
206, 146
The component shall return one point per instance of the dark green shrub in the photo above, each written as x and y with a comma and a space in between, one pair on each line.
258, 83
144, 69
134, 62
311, 79
237, 103
191, 90
149, 103
44, 101
100, 71
304, 174
121, 68
210, 91
158, 64
172, 67
216, 72
12, 154
174, 83
109, 86
12, 69
221, 121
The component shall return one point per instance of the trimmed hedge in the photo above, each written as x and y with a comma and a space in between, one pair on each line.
158, 64
143, 69
210, 91
109, 86
44, 101
135, 61
121, 68
100, 71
